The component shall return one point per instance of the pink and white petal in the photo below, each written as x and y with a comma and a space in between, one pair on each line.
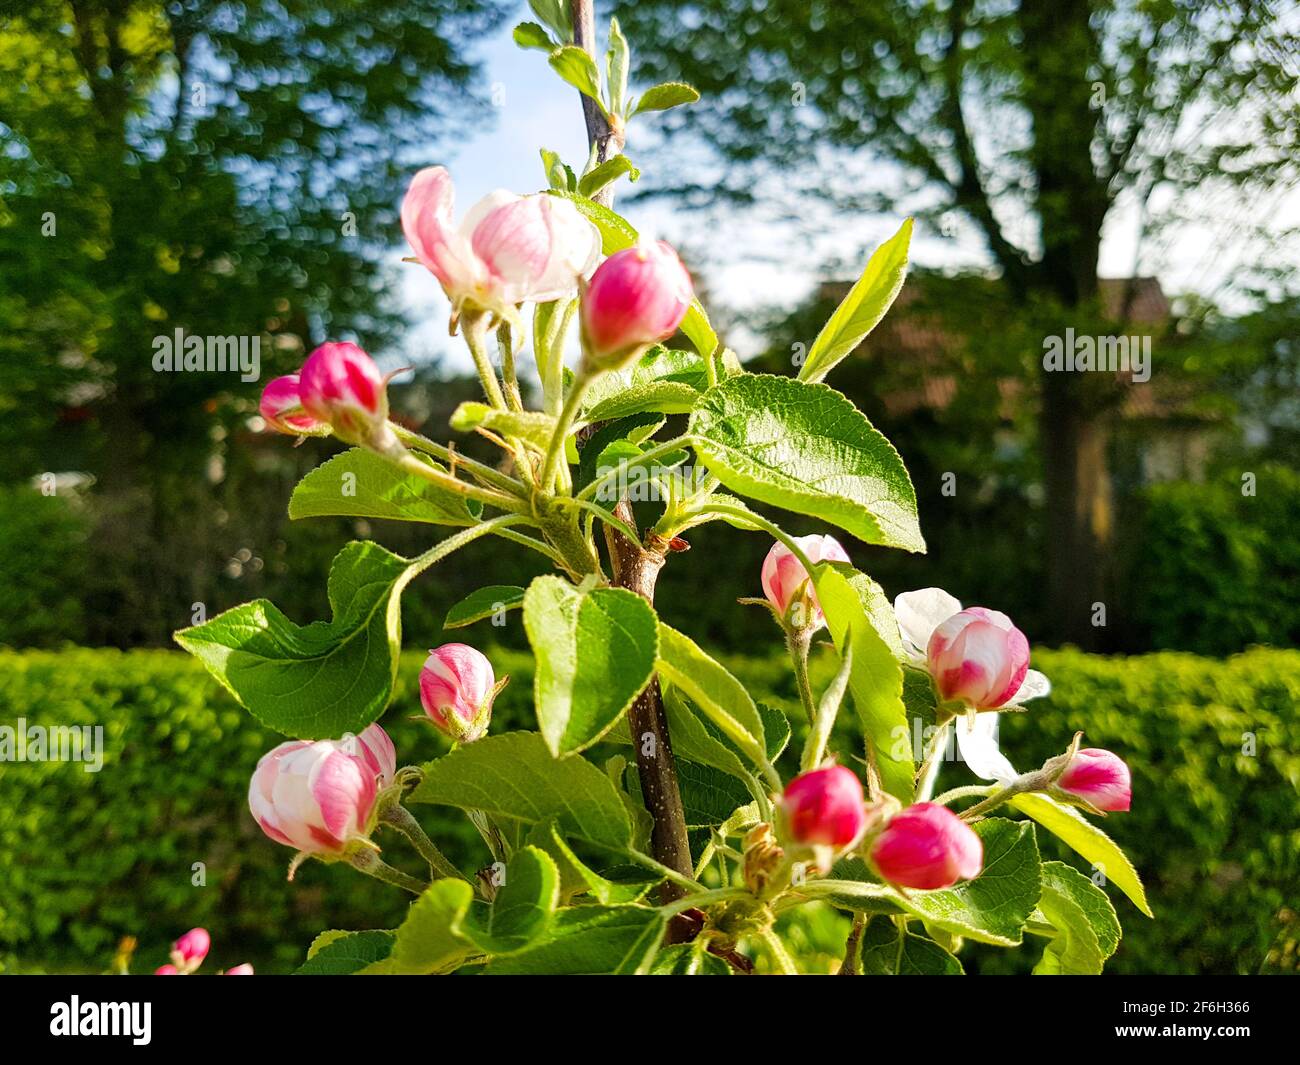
919, 613
1034, 686
978, 744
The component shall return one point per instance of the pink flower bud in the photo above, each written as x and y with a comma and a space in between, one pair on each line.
375, 750
508, 249
786, 584
281, 408
926, 847
457, 688
1100, 778
191, 948
824, 807
239, 970
312, 795
167, 970
978, 657
637, 297
341, 386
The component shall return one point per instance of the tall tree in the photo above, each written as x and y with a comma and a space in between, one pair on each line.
1033, 121
218, 168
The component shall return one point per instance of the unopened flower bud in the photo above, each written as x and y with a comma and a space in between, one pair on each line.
926, 847
313, 796
1099, 778
978, 657
457, 689
786, 583
167, 970
189, 951
239, 970
282, 410
824, 807
375, 749
341, 386
636, 298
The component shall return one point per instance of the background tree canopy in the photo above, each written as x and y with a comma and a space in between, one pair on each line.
223, 169
1033, 124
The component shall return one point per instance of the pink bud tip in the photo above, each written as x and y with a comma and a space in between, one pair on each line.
824, 807
457, 688
927, 847
786, 584
240, 970
167, 970
341, 386
376, 751
1100, 778
193, 946
637, 297
978, 657
281, 408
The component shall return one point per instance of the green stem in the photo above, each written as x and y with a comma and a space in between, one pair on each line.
368, 862
666, 872
967, 792
704, 898
613, 476
442, 479
400, 818
798, 641
474, 329
974, 813
514, 400
776, 949
478, 470
853, 946
533, 543
568, 414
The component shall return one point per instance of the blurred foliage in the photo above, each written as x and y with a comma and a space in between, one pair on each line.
43, 561
1213, 568
228, 170
86, 858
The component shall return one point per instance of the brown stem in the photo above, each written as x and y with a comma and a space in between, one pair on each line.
636, 567
608, 142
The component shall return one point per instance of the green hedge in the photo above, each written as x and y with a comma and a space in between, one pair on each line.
86, 858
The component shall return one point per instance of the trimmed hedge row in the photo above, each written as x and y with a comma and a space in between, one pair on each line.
86, 858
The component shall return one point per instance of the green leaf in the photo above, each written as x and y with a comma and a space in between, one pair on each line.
663, 380
531, 35
602, 888
662, 97
432, 938
1088, 840
1088, 929
534, 427
863, 308
345, 952
992, 908
685, 959
608, 172
558, 176
360, 484
484, 603
634, 429
721, 697
321, 680
617, 233
577, 67
514, 776
888, 950
616, 64
554, 14
590, 940
595, 651
523, 907
875, 676
806, 448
